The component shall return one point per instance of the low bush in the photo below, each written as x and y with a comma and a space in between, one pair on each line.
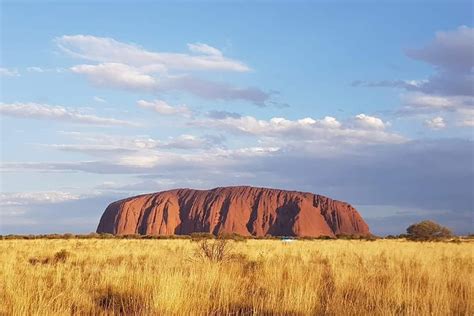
218, 250
131, 236
106, 236
315, 237
201, 236
348, 236
232, 236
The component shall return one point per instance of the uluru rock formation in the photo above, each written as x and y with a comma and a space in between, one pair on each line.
243, 210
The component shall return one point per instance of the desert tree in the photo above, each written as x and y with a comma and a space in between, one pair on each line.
427, 230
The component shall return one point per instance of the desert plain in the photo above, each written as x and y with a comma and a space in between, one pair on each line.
250, 277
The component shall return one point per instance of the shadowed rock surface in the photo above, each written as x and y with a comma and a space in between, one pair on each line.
243, 210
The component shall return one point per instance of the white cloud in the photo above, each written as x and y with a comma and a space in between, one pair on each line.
186, 142
204, 49
9, 72
436, 123
460, 108
141, 161
330, 122
329, 131
116, 75
116, 146
50, 112
26, 198
370, 122
106, 145
162, 107
436, 102
108, 50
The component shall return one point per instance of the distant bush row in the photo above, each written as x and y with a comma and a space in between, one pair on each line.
423, 231
193, 236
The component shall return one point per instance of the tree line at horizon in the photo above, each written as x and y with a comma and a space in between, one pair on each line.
422, 231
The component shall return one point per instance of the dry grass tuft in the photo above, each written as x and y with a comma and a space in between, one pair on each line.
59, 257
118, 302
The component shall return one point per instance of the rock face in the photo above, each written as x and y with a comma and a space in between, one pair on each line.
243, 210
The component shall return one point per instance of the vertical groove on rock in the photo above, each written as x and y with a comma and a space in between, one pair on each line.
144, 214
253, 215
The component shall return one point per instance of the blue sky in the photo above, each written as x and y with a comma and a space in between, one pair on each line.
364, 101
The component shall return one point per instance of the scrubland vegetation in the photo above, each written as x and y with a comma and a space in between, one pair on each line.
227, 277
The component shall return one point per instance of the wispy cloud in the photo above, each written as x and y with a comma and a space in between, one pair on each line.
122, 76
117, 75
130, 67
50, 112
44, 197
162, 107
116, 146
43, 69
9, 72
215, 90
103, 49
99, 99
105, 145
202, 48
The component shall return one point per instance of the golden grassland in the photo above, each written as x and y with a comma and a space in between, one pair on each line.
170, 277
